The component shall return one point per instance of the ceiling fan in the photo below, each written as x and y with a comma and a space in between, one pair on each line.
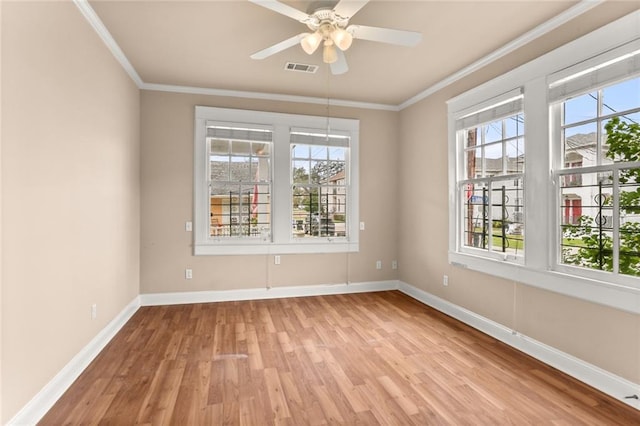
328, 22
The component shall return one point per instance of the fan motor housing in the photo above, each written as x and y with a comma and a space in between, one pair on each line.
321, 13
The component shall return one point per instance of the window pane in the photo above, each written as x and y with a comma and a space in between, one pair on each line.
506, 217
622, 130
475, 215
580, 145
260, 169
493, 160
318, 152
471, 138
337, 153
621, 97
514, 126
494, 219
225, 210
631, 118
586, 213
301, 171
473, 163
581, 108
515, 155
240, 169
240, 148
240, 210
219, 146
311, 212
262, 149
318, 169
492, 131
629, 216
240, 189
319, 193
300, 151
219, 168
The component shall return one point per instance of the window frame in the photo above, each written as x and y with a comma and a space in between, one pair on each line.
281, 240
560, 170
254, 239
540, 268
495, 109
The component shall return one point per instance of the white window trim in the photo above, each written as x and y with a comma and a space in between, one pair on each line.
496, 108
281, 240
540, 268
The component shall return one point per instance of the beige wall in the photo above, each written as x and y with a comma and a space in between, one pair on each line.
167, 202
70, 192
1, 286
78, 226
603, 336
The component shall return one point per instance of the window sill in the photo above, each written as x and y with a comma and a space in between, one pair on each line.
623, 297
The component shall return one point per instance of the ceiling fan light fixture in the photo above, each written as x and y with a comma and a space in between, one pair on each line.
329, 54
310, 42
341, 38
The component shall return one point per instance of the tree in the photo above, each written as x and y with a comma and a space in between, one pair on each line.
306, 192
323, 170
596, 250
302, 194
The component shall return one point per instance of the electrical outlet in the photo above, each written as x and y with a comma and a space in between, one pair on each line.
94, 311
394, 264
379, 264
188, 226
276, 259
362, 226
188, 274
445, 280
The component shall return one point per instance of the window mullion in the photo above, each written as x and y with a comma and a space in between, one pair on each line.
281, 215
503, 132
599, 159
489, 224
616, 222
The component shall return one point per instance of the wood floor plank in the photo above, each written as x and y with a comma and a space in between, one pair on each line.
373, 358
279, 405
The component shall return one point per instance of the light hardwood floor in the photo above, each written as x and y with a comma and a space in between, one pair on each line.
374, 358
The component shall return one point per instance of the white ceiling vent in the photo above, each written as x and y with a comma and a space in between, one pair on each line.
292, 66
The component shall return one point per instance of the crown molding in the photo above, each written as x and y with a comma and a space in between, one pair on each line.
93, 19
267, 96
96, 23
539, 31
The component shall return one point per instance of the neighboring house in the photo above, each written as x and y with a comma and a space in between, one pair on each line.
336, 193
581, 191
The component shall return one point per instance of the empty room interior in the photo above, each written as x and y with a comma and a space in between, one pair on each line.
297, 212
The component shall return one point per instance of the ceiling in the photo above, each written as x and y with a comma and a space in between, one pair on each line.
207, 44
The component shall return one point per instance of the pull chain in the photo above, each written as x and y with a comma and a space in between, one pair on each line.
328, 99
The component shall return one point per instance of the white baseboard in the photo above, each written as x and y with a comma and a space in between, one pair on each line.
604, 381
156, 299
600, 379
35, 409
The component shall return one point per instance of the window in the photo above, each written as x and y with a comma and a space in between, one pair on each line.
599, 184
274, 183
240, 181
491, 183
577, 189
319, 184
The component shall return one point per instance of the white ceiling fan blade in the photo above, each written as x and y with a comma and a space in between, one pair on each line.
340, 66
347, 8
282, 9
385, 35
279, 47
